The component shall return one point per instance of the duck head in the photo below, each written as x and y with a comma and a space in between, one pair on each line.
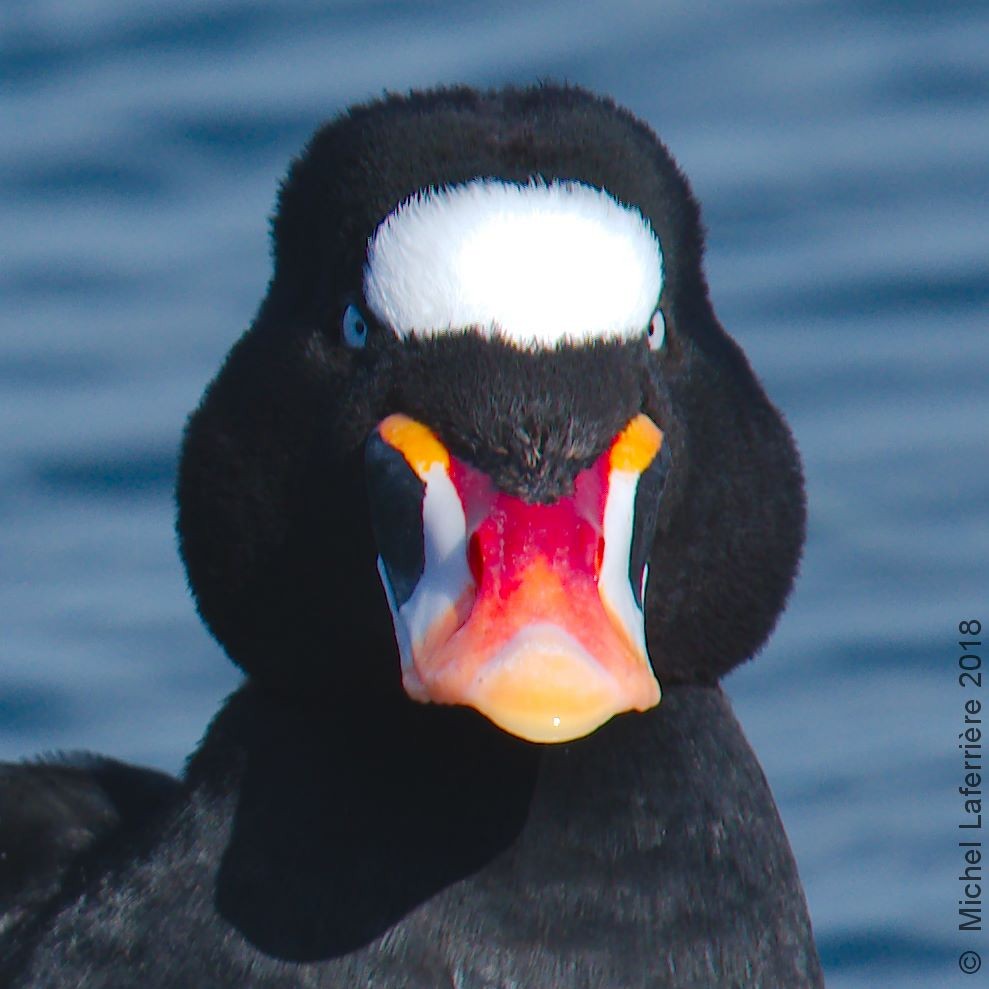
486, 443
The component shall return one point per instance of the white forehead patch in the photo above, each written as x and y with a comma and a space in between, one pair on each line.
537, 264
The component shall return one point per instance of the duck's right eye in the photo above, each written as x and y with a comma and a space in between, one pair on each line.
657, 330
353, 327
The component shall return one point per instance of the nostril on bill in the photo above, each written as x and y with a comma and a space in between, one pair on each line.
475, 559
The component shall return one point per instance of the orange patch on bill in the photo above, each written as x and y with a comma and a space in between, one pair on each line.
416, 442
637, 445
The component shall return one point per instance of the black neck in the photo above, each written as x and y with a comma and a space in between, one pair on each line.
347, 816
333, 827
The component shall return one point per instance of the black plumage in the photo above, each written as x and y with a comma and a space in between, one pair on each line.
331, 832
60, 814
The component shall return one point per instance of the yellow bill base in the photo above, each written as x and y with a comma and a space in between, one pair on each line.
543, 686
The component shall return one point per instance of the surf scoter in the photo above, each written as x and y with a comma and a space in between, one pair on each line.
484, 503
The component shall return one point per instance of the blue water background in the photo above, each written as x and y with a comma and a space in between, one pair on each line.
841, 154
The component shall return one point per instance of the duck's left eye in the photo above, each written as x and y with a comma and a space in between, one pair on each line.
354, 327
657, 330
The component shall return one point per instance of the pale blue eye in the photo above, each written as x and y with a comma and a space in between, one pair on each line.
657, 330
354, 327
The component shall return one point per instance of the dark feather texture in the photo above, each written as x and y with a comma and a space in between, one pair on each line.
58, 814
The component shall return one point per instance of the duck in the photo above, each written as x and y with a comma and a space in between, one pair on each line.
485, 503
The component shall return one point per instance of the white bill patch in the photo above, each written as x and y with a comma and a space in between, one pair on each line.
613, 583
445, 575
537, 264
